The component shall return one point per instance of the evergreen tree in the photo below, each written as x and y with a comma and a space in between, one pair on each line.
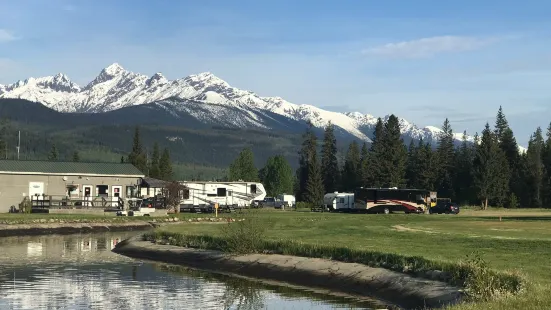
307, 154
278, 176
329, 163
365, 166
547, 167
122, 159
508, 144
425, 172
76, 156
377, 153
351, 174
137, 156
5, 130
154, 164
446, 161
243, 167
490, 170
53, 156
411, 165
165, 166
392, 159
464, 169
536, 170
314, 185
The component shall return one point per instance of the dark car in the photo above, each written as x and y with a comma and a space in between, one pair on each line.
445, 207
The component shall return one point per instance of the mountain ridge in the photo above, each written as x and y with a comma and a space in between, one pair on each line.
115, 88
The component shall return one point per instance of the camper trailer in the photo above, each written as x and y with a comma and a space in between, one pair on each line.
338, 201
202, 196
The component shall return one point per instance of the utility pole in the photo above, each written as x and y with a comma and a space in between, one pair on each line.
18, 143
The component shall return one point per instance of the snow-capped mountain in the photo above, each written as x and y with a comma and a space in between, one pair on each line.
203, 96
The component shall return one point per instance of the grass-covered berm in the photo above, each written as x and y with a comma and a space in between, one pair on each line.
501, 257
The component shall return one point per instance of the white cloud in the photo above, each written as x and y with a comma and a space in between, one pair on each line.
6, 36
427, 47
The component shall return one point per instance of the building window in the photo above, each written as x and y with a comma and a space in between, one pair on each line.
253, 188
221, 192
185, 194
130, 192
102, 190
72, 191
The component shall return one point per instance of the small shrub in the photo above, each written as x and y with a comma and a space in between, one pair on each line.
25, 206
244, 236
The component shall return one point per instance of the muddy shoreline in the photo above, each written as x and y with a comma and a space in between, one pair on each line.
399, 289
34, 229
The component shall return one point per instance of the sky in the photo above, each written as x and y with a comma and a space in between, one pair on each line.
421, 60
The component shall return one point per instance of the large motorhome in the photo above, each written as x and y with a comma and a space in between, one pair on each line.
386, 200
203, 195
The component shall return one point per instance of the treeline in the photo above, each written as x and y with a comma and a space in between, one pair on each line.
158, 166
487, 171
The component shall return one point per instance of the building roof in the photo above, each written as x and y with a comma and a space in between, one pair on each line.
68, 168
154, 183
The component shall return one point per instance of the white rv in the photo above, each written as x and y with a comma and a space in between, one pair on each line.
203, 195
338, 201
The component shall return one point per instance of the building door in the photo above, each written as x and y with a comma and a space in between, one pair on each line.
36, 188
116, 193
87, 195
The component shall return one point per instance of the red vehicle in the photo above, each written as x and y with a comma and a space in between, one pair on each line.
388, 200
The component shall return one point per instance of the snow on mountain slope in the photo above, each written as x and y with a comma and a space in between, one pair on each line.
203, 96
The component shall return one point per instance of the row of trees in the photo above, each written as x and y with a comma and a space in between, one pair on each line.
158, 165
488, 170
277, 174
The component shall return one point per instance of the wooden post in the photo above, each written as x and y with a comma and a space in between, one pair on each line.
216, 209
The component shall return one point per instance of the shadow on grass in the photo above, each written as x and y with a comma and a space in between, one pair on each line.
516, 218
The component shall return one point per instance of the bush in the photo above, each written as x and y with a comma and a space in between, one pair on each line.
245, 235
25, 206
304, 205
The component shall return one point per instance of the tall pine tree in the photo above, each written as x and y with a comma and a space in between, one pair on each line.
464, 170
411, 166
76, 156
53, 156
536, 170
392, 160
547, 166
309, 145
375, 176
137, 156
490, 170
165, 166
154, 169
365, 166
351, 174
329, 163
446, 161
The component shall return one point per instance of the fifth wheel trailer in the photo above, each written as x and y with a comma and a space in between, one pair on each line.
202, 196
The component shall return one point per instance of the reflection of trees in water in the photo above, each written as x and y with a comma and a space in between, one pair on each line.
242, 294
238, 293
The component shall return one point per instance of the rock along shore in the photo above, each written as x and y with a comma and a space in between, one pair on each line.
70, 228
356, 279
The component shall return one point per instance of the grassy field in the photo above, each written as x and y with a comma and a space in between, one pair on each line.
520, 241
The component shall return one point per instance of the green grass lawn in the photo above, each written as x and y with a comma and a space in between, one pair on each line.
521, 241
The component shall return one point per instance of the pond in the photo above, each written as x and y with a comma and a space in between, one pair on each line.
81, 272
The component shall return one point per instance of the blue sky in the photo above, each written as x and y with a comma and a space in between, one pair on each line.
421, 60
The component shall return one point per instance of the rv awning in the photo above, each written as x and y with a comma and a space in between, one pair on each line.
153, 183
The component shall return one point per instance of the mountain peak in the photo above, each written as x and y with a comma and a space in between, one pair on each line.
113, 69
156, 79
206, 79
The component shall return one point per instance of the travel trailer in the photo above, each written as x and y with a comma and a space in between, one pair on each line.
202, 196
338, 201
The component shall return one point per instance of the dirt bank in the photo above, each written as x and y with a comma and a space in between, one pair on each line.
356, 279
70, 228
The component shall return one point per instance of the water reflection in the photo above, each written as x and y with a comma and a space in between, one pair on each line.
81, 272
